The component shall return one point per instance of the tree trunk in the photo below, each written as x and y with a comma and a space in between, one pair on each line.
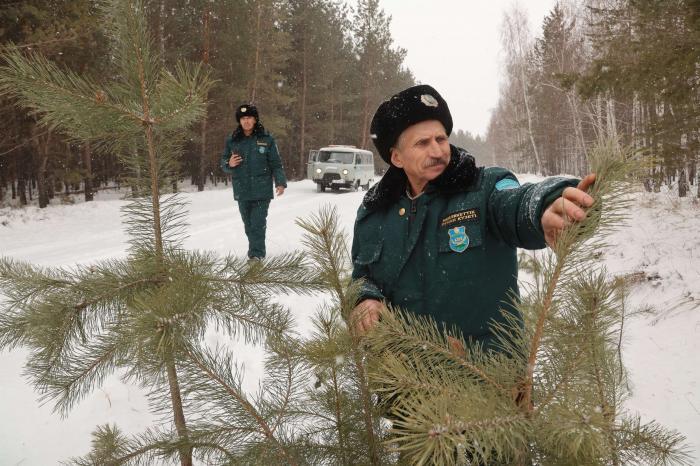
332, 141
178, 413
21, 180
610, 117
365, 116
302, 123
40, 145
87, 166
256, 64
682, 184
578, 129
202, 178
367, 409
530, 132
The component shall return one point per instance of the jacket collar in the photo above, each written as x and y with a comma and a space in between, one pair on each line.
461, 174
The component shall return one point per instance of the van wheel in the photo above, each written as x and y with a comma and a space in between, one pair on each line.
335, 187
356, 185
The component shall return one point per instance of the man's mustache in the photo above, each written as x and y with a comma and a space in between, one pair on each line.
434, 162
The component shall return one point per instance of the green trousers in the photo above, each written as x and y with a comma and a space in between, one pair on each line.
254, 215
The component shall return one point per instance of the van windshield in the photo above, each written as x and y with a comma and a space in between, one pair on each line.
336, 157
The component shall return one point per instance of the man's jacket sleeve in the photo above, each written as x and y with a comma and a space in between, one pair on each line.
225, 155
275, 163
360, 270
515, 212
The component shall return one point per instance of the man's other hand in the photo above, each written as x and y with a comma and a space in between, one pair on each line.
567, 209
279, 190
365, 315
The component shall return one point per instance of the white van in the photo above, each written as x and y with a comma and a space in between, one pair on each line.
338, 167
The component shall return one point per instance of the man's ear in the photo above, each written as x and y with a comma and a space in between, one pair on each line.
396, 157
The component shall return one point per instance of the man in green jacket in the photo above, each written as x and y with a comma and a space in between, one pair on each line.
252, 159
438, 235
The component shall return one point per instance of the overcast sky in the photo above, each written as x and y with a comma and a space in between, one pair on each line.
454, 45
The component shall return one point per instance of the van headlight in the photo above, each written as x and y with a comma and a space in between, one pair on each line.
318, 170
345, 172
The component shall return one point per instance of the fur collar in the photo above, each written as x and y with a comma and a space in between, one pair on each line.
460, 175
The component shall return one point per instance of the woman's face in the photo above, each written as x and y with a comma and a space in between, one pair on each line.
247, 123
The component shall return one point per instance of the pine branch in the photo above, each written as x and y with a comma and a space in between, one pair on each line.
284, 363
611, 165
328, 249
179, 102
75, 375
110, 447
64, 100
138, 218
205, 363
282, 274
332, 395
420, 339
483, 438
650, 444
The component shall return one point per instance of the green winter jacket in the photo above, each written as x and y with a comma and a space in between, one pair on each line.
252, 179
450, 253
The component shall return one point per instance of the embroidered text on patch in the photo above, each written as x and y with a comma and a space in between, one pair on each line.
469, 215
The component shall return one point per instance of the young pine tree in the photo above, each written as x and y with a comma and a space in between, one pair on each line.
344, 424
555, 394
144, 316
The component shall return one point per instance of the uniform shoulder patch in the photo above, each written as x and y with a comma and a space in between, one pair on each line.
468, 215
507, 183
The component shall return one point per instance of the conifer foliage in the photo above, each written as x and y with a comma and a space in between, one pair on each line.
145, 316
344, 422
555, 394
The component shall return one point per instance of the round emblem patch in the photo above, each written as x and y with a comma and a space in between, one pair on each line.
429, 100
261, 149
244, 109
459, 241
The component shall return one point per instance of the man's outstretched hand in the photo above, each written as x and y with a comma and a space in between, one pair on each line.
567, 209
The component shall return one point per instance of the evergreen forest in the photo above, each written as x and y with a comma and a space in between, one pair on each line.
317, 69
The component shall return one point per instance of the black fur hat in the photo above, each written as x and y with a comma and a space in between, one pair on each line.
246, 110
408, 107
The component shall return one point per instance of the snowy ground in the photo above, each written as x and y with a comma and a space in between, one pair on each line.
662, 351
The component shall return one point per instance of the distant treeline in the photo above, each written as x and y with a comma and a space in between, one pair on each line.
629, 69
316, 69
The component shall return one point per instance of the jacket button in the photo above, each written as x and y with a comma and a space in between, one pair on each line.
402, 211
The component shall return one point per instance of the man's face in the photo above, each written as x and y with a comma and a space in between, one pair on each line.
423, 151
247, 123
